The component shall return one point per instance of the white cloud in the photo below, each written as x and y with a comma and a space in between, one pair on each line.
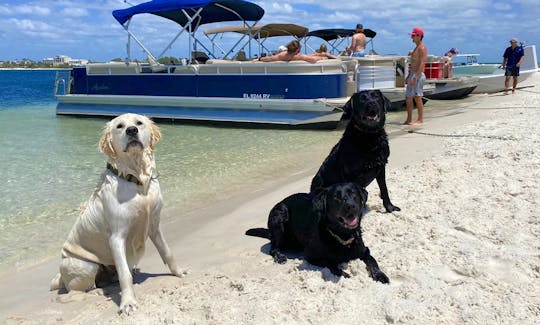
74, 12
281, 8
25, 10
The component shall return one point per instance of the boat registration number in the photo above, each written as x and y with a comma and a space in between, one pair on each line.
257, 96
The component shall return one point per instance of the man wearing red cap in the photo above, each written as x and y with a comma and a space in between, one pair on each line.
416, 78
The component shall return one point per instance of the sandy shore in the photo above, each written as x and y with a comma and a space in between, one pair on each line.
464, 249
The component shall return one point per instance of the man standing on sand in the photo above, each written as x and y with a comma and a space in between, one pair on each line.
512, 58
416, 78
358, 44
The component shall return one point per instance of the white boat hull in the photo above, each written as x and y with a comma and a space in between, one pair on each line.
294, 112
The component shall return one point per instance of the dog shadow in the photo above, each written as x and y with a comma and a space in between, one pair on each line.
305, 265
111, 288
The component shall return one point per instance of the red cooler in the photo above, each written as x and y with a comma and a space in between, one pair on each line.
434, 70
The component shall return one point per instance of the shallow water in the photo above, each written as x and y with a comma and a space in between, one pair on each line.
50, 164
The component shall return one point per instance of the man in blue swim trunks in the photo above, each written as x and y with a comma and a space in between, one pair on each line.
512, 58
358, 44
416, 78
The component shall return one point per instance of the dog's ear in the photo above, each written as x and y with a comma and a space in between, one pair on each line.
348, 109
155, 134
105, 143
319, 203
387, 103
362, 193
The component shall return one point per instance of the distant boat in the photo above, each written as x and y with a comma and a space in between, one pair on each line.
495, 82
467, 64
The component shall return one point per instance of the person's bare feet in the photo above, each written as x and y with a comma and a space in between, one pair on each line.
407, 123
417, 122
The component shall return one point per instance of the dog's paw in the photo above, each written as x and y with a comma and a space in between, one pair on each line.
391, 208
179, 272
128, 306
280, 258
379, 276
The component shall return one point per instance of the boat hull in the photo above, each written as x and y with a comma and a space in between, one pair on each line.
317, 113
286, 94
495, 83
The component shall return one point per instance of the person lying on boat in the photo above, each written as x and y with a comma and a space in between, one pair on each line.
323, 51
292, 54
358, 44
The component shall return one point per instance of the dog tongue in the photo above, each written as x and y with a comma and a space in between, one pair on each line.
351, 220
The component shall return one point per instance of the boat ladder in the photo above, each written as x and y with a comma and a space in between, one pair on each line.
62, 83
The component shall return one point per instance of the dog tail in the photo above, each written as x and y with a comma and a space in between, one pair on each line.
258, 232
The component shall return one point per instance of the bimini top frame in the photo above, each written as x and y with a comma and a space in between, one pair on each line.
259, 33
190, 14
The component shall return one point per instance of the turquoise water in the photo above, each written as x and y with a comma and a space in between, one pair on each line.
478, 70
50, 165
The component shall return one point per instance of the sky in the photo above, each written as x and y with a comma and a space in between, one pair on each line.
86, 29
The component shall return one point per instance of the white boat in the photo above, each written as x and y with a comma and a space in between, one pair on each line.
388, 73
467, 64
495, 82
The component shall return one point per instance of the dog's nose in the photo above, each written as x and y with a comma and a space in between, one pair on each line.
132, 130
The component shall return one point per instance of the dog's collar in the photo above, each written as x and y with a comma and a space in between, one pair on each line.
340, 240
128, 177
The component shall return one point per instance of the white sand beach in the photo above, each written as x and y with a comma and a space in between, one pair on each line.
465, 248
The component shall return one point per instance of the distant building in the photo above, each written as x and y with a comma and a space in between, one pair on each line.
63, 60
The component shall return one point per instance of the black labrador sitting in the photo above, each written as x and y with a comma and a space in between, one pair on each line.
362, 153
325, 226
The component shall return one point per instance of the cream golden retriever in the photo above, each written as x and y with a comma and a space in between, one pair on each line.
120, 215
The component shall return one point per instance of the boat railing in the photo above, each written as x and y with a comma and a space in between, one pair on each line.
62, 83
224, 67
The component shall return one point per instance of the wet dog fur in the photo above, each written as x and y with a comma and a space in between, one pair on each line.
362, 153
326, 227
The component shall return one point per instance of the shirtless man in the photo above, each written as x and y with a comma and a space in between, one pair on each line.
416, 78
292, 53
358, 44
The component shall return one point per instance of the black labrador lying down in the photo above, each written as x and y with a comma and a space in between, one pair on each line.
362, 153
326, 226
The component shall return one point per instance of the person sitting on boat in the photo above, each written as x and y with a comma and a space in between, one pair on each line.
358, 44
512, 58
447, 70
292, 54
323, 51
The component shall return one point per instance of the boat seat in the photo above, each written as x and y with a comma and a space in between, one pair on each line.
112, 68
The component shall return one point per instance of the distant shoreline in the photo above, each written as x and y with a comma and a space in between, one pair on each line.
35, 68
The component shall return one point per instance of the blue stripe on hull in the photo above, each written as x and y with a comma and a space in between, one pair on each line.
299, 86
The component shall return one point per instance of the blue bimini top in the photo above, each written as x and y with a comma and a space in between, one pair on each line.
513, 56
212, 11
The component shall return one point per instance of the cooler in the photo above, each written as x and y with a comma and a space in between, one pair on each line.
434, 70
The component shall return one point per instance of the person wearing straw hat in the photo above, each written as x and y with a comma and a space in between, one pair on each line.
512, 58
416, 78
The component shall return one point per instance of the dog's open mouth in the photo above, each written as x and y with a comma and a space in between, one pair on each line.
372, 117
350, 221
